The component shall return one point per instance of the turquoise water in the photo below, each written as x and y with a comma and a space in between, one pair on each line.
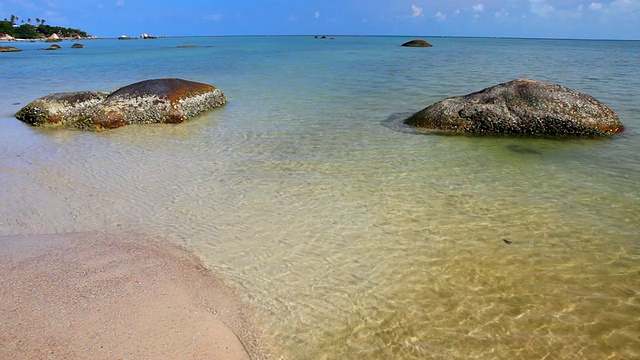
349, 238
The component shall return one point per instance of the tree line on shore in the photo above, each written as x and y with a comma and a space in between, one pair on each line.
27, 30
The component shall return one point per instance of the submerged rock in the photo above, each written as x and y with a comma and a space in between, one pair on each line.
9, 49
145, 102
77, 46
191, 46
417, 43
520, 107
52, 47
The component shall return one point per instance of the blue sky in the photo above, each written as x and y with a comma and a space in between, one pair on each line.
584, 19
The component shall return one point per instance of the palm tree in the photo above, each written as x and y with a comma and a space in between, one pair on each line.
29, 20
37, 20
13, 19
42, 21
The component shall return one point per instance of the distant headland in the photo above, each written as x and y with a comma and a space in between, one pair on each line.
16, 28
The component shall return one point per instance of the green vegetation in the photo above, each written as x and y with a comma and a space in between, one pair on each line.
25, 32
29, 31
6, 27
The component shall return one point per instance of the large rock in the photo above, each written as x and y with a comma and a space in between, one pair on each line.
145, 102
53, 38
417, 43
9, 49
157, 101
520, 107
52, 47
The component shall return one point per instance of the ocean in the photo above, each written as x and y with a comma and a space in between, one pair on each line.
351, 238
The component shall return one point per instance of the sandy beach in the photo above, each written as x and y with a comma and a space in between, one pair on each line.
96, 296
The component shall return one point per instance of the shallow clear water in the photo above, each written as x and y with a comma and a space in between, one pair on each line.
352, 239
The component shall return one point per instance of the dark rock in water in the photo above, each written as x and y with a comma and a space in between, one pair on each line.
9, 49
191, 46
417, 43
523, 149
61, 108
145, 102
520, 107
77, 46
52, 47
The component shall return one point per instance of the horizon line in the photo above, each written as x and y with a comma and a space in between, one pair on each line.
384, 35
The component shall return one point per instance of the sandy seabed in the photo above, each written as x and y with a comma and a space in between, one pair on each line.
98, 296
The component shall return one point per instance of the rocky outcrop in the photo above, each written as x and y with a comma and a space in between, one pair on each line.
53, 38
417, 43
145, 102
191, 46
520, 107
77, 46
9, 49
52, 47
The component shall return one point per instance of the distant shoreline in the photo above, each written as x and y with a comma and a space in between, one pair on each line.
312, 35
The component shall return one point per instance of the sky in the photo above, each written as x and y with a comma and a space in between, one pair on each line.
573, 19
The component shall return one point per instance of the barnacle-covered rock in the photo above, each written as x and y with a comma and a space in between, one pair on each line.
145, 102
520, 107
61, 108
157, 101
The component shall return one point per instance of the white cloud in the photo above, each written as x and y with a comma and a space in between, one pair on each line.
119, 2
317, 14
541, 8
478, 7
595, 6
440, 16
417, 11
628, 7
621, 11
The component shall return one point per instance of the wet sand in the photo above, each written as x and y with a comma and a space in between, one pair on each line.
96, 296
